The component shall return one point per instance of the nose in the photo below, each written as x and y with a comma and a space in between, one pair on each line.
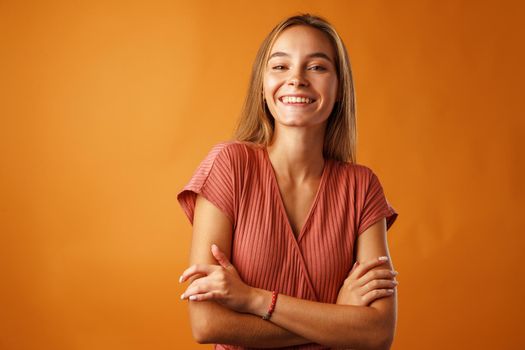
297, 79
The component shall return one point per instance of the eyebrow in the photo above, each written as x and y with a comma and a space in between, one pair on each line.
312, 55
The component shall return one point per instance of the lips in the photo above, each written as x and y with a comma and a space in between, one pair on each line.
296, 99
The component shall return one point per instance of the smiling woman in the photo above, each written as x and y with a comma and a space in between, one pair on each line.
289, 233
300, 81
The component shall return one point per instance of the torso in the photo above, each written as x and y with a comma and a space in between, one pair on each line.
306, 254
298, 202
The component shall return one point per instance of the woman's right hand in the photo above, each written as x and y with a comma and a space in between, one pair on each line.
363, 286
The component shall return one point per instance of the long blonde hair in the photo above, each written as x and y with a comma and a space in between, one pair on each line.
256, 124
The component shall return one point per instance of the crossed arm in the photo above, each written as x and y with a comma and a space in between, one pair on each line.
295, 321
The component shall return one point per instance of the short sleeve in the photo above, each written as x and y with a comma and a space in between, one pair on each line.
213, 179
375, 206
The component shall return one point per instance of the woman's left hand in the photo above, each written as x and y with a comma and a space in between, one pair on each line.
221, 283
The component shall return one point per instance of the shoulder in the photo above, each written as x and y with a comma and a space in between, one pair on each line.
235, 152
238, 146
353, 171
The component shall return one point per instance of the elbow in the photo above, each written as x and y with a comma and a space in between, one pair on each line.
383, 327
382, 342
382, 338
201, 332
202, 326
378, 334
374, 342
378, 339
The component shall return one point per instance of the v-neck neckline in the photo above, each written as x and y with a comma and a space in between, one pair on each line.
281, 205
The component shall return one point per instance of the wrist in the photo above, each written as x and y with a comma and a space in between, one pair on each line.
259, 302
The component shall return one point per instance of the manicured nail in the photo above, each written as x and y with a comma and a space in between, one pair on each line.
390, 290
180, 279
383, 258
182, 296
193, 297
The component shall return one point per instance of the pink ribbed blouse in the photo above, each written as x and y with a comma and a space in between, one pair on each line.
239, 179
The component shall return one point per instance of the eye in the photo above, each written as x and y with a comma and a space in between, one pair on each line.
278, 67
317, 68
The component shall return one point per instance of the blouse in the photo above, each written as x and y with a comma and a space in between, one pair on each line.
238, 178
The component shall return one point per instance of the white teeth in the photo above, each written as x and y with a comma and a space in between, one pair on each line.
293, 99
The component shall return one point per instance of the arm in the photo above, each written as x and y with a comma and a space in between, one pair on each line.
208, 318
348, 326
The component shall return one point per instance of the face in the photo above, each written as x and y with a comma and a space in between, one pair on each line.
300, 78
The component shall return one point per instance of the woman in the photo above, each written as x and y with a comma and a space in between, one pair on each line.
281, 213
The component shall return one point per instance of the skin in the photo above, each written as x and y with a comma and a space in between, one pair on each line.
296, 149
365, 314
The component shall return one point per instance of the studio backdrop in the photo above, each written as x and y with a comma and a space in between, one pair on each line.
107, 108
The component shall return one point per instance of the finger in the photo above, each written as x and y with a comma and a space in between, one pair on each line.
377, 294
367, 265
204, 297
354, 267
220, 256
377, 274
379, 284
200, 286
195, 269
195, 276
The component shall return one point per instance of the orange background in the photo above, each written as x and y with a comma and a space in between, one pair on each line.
107, 107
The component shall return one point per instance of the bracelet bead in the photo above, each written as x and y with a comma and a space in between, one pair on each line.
272, 306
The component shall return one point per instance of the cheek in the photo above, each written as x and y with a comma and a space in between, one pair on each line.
270, 85
330, 88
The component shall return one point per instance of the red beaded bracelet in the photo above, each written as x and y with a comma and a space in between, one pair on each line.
272, 306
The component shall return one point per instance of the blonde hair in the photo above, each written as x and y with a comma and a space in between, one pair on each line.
256, 124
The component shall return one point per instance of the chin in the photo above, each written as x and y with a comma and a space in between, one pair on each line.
296, 123
291, 120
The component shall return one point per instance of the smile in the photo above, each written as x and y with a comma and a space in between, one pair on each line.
295, 100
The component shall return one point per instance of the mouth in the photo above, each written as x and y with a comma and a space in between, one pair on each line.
296, 100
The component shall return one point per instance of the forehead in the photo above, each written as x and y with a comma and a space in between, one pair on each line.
301, 39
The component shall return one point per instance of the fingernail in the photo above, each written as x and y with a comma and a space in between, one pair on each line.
193, 297
383, 258
180, 279
182, 296
390, 290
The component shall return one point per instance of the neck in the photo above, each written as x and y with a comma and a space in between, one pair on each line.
298, 157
